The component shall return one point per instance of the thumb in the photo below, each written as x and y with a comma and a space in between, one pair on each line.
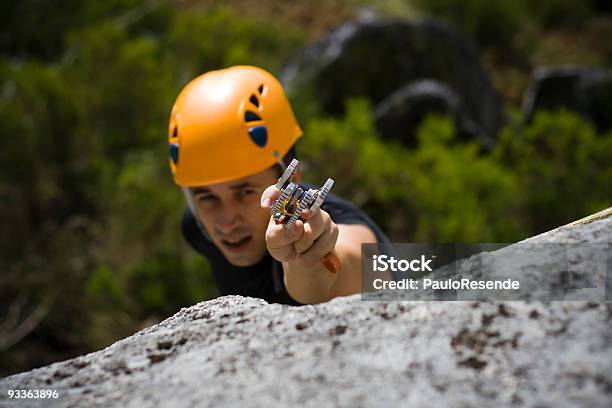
268, 197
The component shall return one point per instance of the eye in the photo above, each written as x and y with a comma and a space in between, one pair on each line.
205, 198
247, 192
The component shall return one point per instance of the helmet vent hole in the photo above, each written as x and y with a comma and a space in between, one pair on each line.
261, 89
259, 135
174, 152
250, 116
254, 100
175, 132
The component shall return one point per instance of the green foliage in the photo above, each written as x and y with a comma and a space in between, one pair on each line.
369, 172
563, 167
510, 28
46, 41
91, 218
124, 108
461, 195
230, 40
103, 283
442, 191
488, 22
448, 191
39, 29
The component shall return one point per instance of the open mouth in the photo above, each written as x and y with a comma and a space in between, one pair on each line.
235, 244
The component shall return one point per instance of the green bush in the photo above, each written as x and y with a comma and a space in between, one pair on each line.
490, 23
511, 29
563, 168
91, 244
201, 42
367, 171
461, 195
442, 191
448, 191
91, 221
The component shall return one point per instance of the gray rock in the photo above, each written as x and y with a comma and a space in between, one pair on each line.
235, 351
399, 115
374, 57
583, 90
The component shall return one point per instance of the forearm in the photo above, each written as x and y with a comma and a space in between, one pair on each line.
313, 283
309, 283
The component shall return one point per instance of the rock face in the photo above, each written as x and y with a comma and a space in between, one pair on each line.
398, 116
235, 351
373, 58
583, 90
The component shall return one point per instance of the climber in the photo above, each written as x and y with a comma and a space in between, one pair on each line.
231, 135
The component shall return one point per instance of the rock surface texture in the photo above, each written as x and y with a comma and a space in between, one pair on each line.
235, 351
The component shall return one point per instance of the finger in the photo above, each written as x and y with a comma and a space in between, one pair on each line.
277, 236
269, 196
321, 247
319, 221
313, 228
306, 214
306, 241
284, 254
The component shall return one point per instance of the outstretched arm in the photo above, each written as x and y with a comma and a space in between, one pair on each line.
301, 248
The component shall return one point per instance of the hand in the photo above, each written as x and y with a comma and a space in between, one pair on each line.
307, 242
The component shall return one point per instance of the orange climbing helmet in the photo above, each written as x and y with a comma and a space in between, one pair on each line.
229, 124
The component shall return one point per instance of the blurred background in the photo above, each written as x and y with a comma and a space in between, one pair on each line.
446, 121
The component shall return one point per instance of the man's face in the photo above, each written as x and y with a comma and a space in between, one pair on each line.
233, 217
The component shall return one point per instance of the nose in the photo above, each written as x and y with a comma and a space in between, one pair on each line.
230, 218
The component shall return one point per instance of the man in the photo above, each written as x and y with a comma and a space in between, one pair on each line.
232, 134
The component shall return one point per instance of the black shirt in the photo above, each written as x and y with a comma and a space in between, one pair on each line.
265, 279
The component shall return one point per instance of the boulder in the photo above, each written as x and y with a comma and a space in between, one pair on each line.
235, 351
375, 57
399, 115
583, 90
